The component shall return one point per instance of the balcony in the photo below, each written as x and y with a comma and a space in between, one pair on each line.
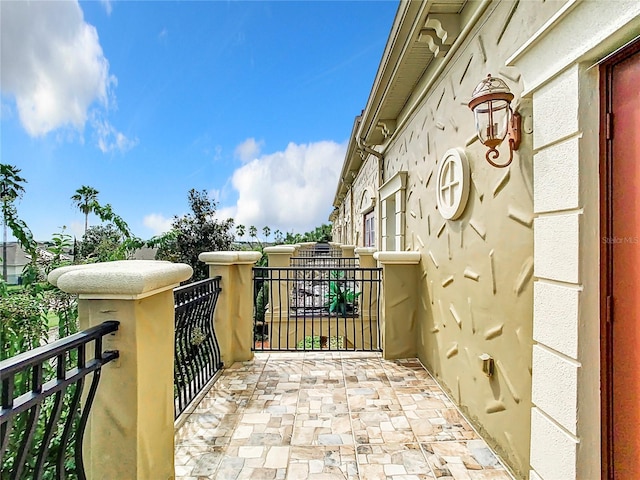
317, 415
308, 411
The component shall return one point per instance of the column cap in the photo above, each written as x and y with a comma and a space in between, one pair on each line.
365, 250
124, 279
280, 249
230, 257
398, 258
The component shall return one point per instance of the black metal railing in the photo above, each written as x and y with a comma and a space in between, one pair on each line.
197, 353
334, 262
320, 250
42, 420
316, 308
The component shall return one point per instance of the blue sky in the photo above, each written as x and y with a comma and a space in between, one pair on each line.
143, 100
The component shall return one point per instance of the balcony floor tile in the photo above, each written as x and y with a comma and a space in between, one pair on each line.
313, 415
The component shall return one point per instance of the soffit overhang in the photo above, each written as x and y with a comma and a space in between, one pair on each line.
351, 165
422, 34
421, 37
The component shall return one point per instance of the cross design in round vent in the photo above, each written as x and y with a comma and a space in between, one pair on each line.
452, 188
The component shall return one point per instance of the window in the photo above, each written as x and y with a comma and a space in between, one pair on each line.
370, 229
393, 199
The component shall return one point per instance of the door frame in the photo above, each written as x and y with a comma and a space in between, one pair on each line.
606, 255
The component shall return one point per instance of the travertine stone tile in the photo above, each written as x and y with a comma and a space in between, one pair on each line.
381, 427
393, 461
332, 462
207, 429
318, 416
465, 460
322, 429
439, 425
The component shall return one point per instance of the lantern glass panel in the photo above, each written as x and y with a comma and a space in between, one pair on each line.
492, 121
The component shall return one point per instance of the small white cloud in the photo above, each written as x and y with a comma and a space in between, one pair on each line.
108, 138
77, 229
217, 153
164, 33
288, 190
108, 7
248, 150
224, 213
157, 223
52, 64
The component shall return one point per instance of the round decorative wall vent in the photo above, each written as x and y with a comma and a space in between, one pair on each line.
452, 188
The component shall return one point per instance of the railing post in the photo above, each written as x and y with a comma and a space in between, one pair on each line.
348, 251
130, 433
306, 249
369, 296
233, 316
334, 247
399, 303
279, 257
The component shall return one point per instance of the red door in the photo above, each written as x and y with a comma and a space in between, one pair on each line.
624, 244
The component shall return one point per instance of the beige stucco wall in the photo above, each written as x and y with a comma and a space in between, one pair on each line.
488, 283
476, 282
364, 191
564, 89
476, 292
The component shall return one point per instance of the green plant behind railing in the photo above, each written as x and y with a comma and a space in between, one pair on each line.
27, 314
340, 298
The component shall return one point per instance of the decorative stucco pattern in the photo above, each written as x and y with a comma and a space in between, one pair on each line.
477, 269
365, 192
475, 281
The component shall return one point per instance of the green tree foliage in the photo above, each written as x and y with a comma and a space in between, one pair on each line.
195, 233
100, 242
28, 316
86, 199
319, 234
113, 241
11, 188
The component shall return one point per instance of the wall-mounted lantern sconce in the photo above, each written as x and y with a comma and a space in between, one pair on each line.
491, 105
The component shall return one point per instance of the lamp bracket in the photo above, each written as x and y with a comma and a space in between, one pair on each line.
515, 125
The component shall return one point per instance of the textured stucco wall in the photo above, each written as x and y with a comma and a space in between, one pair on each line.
365, 188
565, 417
476, 271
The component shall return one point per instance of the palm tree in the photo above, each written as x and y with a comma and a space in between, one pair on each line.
86, 199
10, 189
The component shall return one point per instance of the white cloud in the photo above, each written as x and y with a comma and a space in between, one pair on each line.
248, 150
108, 7
157, 223
288, 190
77, 229
108, 138
55, 69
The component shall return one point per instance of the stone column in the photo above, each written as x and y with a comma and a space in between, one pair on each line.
233, 317
306, 247
279, 257
130, 433
368, 298
399, 303
348, 251
335, 246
